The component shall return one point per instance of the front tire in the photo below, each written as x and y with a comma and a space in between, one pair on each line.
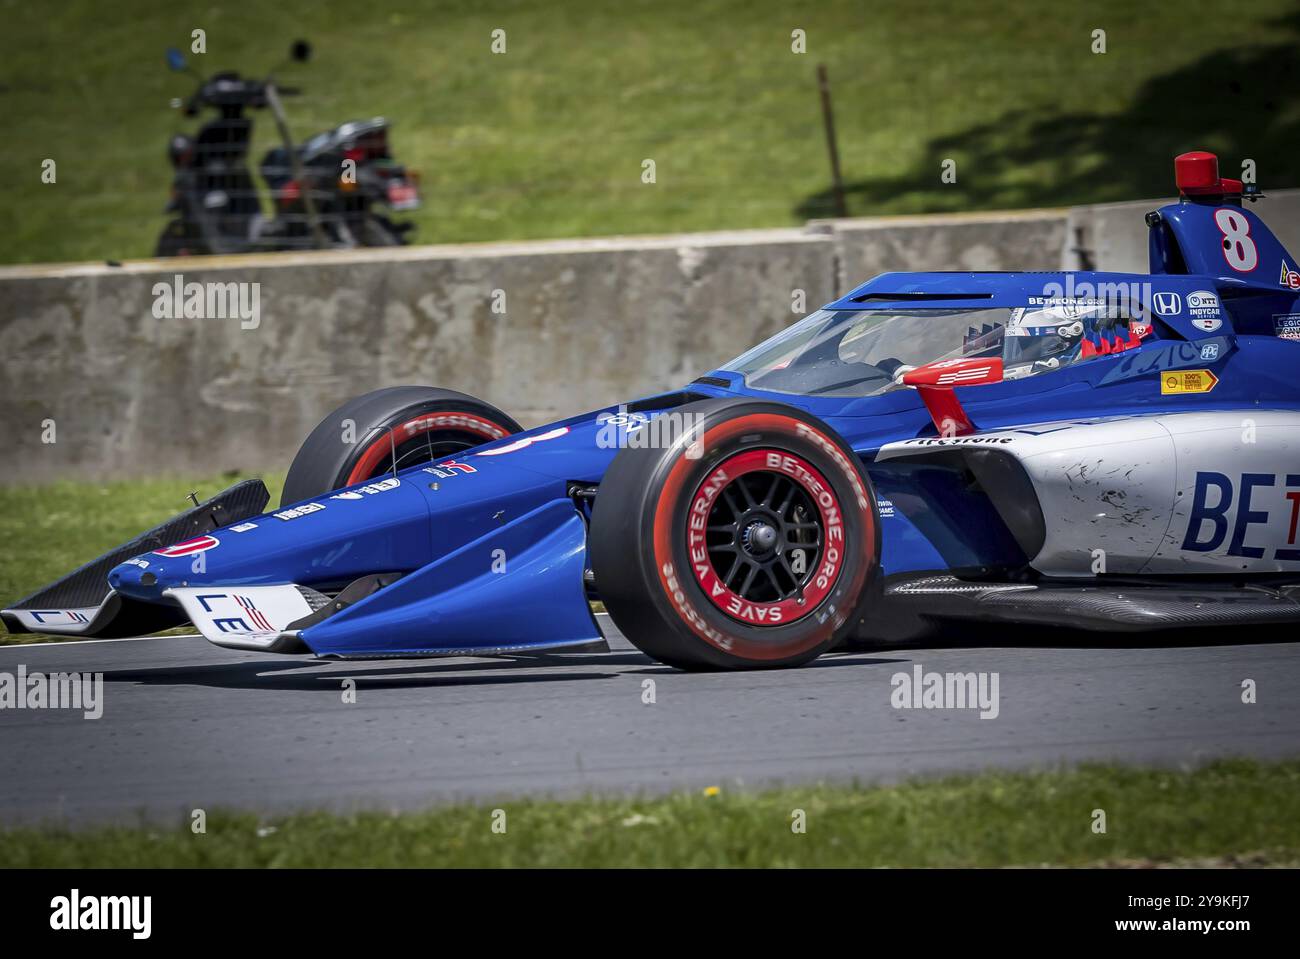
393, 428
748, 541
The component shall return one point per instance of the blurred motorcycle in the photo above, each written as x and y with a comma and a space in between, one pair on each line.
329, 192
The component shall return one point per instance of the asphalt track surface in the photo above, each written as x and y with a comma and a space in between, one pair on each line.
187, 725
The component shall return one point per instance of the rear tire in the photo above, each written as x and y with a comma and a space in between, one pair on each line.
426, 424
378, 231
175, 240
748, 542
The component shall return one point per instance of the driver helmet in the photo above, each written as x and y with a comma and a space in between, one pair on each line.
1045, 337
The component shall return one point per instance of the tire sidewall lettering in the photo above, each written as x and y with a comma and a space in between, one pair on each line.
677, 508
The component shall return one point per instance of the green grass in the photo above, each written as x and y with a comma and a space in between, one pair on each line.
548, 139
1228, 813
54, 528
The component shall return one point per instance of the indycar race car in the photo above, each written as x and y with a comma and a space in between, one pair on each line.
1102, 451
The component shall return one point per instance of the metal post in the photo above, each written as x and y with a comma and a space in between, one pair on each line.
295, 163
828, 119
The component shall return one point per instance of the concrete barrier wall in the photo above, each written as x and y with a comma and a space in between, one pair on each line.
585, 323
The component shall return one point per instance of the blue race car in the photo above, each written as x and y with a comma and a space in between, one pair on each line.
1095, 450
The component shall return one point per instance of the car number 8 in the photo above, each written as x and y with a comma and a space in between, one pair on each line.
1238, 248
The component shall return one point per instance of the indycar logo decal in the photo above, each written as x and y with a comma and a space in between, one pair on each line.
1290, 278
1204, 308
1200, 538
199, 544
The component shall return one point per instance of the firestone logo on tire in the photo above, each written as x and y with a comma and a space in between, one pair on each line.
678, 596
835, 453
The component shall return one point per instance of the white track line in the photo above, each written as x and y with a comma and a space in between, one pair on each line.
89, 642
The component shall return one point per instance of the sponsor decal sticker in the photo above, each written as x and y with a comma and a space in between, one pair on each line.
370, 489
59, 617
1210, 351
1168, 304
960, 441
297, 511
1287, 325
450, 468
525, 442
1187, 381
1212, 518
1078, 303
1290, 278
243, 527
189, 547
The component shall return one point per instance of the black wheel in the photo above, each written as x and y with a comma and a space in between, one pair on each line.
747, 541
379, 231
175, 240
406, 425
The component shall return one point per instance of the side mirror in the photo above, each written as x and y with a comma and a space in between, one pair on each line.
175, 59
966, 371
935, 383
300, 52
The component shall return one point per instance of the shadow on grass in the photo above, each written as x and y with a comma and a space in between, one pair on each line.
1242, 102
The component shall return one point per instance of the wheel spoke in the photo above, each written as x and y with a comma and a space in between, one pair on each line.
743, 517
743, 483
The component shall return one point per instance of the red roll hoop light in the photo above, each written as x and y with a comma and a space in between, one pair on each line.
1197, 174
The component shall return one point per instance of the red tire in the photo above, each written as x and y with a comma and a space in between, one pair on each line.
406, 424
749, 542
